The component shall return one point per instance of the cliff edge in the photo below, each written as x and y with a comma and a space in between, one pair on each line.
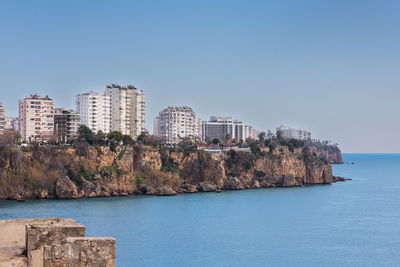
68, 173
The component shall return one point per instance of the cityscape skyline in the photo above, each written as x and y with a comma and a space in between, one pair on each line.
308, 65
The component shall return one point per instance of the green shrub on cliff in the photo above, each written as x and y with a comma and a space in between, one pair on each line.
80, 168
121, 154
201, 168
138, 178
238, 162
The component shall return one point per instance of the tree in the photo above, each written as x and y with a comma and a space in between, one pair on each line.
208, 140
270, 135
113, 145
279, 134
185, 143
127, 140
216, 141
143, 138
226, 139
261, 137
100, 138
117, 136
85, 134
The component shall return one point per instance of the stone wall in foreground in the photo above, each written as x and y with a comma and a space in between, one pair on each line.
54, 243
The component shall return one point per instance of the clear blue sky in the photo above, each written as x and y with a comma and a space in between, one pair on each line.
329, 66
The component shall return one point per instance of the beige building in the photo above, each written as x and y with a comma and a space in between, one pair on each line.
120, 108
127, 109
65, 124
36, 118
2, 118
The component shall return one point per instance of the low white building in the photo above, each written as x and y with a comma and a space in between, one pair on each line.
299, 134
220, 127
176, 123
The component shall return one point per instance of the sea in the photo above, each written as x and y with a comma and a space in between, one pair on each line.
352, 223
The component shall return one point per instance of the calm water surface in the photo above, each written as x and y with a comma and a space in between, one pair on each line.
355, 223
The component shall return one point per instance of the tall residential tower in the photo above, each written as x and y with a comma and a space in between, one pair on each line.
94, 111
127, 109
120, 108
36, 118
176, 123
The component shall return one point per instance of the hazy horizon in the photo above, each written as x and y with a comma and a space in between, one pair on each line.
328, 67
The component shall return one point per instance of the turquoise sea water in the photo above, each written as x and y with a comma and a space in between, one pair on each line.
354, 223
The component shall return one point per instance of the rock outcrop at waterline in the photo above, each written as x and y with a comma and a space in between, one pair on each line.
142, 170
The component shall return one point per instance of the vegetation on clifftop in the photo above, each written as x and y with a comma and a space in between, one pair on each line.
97, 160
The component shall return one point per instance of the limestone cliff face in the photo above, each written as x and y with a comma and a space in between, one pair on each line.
164, 172
329, 152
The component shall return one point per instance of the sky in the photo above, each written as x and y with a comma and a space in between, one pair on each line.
331, 67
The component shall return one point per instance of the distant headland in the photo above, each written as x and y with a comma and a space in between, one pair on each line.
111, 165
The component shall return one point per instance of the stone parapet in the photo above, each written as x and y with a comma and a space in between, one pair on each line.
53, 243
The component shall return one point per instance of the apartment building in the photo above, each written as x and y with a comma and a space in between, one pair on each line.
299, 134
120, 108
36, 118
94, 111
66, 123
15, 124
176, 123
127, 109
2, 118
220, 127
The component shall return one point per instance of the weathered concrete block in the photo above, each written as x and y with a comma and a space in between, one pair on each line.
53, 243
38, 236
82, 251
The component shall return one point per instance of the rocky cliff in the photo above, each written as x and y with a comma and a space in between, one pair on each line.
100, 172
331, 153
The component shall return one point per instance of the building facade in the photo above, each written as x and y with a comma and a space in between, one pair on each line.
299, 134
15, 124
127, 109
120, 108
66, 123
221, 127
2, 118
94, 111
176, 123
36, 118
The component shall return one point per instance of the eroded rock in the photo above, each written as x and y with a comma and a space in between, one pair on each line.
65, 188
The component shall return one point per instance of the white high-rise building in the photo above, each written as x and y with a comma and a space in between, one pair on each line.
299, 134
36, 118
120, 108
156, 126
176, 123
220, 127
94, 111
128, 109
